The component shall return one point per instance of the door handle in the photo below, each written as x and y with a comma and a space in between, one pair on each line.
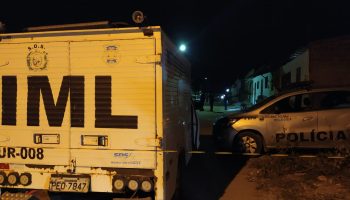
94, 140
307, 118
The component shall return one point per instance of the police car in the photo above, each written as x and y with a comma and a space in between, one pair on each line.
305, 118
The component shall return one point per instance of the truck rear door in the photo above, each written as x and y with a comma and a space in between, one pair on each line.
35, 123
119, 122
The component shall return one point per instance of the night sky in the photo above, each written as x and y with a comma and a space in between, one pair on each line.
225, 39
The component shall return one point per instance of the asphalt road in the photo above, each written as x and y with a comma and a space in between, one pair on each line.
209, 174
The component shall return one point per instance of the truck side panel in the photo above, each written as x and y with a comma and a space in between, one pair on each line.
177, 112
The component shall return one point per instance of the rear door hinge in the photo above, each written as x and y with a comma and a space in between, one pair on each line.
159, 142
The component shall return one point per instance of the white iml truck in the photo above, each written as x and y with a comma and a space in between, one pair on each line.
94, 110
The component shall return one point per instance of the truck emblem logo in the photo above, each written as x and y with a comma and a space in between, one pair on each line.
122, 155
37, 57
111, 54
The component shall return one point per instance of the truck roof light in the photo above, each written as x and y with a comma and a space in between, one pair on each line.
138, 17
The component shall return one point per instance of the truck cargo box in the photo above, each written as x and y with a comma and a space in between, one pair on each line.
91, 107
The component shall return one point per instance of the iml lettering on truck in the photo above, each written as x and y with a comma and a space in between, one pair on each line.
72, 86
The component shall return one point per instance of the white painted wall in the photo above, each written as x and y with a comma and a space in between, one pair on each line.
300, 61
235, 88
262, 89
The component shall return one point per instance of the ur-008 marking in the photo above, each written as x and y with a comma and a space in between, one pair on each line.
22, 152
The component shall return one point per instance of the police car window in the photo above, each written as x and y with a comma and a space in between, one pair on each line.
335, 99
296, 103
307, 102
281, 106
261, 103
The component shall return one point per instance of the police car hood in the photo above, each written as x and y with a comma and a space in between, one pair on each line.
242, 115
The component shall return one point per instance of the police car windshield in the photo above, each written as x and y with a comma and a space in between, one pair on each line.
260, 103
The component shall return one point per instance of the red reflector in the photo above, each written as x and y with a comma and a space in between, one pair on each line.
4, 166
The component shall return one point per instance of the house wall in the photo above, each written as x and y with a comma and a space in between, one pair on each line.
330, 62
261, 85
246, 91
326, 63
289, 71
235, 88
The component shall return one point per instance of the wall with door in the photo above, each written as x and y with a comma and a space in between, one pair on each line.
296, 70
261, 87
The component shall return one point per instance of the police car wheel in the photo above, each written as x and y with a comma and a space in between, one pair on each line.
248, 142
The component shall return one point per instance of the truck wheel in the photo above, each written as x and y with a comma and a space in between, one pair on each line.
248, 142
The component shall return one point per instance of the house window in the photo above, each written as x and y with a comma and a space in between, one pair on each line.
257, 85
298, 74
266, 82
286, 80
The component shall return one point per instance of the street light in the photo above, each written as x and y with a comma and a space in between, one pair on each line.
227, 90
182, 48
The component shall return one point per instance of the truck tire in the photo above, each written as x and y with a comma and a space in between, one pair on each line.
248, 142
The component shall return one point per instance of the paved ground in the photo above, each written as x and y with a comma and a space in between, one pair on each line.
207, 118
210, 176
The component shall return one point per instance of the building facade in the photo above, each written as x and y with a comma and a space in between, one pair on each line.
325, 63
261, 87
295, 71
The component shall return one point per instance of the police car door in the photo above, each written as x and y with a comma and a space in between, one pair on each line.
292, 122
274, 136
334, 115
301, 123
